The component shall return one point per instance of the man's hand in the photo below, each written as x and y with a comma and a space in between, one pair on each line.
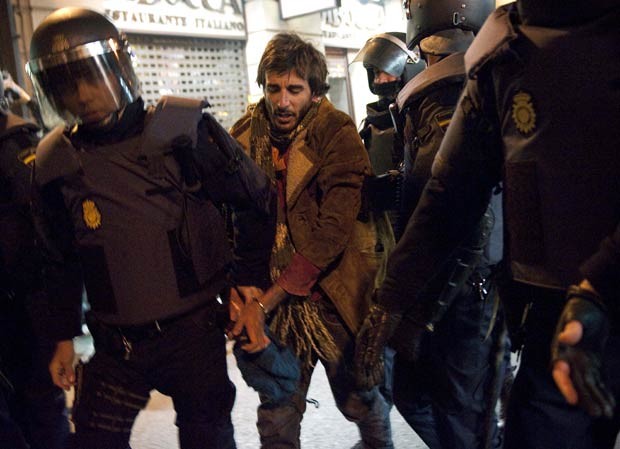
13, 90
61, 366
251, 319
376, 330
235, 305
577, 351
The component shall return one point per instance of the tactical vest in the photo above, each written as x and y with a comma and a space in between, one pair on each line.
428, 101
151, 244
558, 102
379, 138
19, 259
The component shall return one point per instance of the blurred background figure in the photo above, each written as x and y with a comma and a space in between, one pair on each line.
32, 408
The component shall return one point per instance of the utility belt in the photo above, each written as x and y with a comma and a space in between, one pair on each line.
119, 340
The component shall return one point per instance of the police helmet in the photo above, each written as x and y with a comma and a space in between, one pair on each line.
388, 53
559, 13
429, 17
73, 47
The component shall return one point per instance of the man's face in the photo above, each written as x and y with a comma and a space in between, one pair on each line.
91, 100
382, 77
288, 98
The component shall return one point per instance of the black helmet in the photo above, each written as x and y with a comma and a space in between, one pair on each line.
559, 13
73, 46
387, 52
428, 17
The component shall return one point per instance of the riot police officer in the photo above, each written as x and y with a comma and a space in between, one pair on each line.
32, 409
444, 377
126, 203
542, 82
389, 65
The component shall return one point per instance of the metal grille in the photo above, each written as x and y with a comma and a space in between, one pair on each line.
192, 67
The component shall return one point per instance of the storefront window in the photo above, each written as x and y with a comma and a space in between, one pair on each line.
339, 93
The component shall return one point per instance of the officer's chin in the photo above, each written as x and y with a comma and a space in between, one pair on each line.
95, 123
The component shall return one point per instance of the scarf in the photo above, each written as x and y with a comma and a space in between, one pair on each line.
296, 321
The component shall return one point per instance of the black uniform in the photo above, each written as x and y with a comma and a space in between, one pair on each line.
537, 117
444, 395
134, 209
32, 409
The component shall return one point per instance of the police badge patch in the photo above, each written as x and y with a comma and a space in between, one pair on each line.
523, 112
91, 215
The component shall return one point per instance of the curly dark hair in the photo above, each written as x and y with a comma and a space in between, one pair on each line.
287, 51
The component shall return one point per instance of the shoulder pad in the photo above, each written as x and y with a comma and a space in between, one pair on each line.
11, 124
174, 116
494, 34
171, 118
447, 71
55, 157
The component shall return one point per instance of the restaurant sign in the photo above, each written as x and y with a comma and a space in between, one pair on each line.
203, 18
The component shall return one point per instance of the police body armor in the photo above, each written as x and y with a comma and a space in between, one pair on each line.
152, 245
440, 85
20, 262
385, 152
379, 137
562, 184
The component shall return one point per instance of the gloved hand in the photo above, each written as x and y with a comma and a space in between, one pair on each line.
407, 339
581, 358
374, 334
13, 91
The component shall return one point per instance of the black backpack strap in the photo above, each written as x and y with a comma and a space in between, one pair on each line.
172, 118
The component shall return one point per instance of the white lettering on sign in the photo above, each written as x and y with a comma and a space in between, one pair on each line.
352, 24
208, 18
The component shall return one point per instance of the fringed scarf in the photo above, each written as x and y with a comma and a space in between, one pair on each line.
296, 321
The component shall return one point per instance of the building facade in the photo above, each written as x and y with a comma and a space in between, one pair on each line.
211, 48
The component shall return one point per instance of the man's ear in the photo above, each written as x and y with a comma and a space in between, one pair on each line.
316, 98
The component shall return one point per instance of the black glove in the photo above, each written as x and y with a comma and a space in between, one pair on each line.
376, 330
407, 339
585, 358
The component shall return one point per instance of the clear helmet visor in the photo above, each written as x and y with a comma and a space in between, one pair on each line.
85, 84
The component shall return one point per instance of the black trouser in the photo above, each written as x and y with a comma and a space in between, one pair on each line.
445, 396
11, 435
34, 407
538, 416
186, 360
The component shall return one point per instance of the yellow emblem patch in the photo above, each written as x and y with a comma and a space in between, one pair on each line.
91, 215
523, 112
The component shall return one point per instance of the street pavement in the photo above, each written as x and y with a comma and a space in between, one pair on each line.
323, 427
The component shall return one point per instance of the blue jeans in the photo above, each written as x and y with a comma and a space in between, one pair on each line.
445, 396
186, 360
279, 425
538, 417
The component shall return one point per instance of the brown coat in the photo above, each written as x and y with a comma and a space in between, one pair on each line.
326, 169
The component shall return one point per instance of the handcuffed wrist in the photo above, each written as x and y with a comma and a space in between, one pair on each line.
261, 305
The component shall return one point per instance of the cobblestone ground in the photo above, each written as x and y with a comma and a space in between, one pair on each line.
322, 428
